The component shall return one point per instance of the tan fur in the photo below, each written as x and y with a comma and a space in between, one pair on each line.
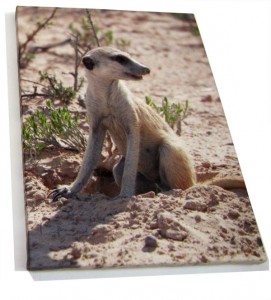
228, 183
147, 142
176, 166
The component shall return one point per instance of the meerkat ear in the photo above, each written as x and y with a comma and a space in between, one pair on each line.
88, 63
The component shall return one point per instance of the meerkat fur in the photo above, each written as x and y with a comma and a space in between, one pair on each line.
153, 156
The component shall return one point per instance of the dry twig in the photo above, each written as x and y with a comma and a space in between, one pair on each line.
30, 37
93, 28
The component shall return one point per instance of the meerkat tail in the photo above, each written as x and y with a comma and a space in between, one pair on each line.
175, 166
227, 183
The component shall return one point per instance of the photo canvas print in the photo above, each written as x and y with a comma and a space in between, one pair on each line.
128, 159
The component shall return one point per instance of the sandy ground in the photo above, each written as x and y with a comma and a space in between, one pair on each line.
204, 224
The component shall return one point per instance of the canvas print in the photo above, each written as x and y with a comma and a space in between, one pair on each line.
128, 159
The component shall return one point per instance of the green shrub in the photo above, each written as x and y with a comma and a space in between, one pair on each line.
173, 113
55, 88
52, 126
86, 38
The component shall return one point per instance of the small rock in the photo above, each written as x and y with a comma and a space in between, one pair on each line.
28, 186
213, 202
194, 205
174, 235
206, 164
76, 253
207, 98
233, 215
259, 241
204, 259
248, 227
197, 218
39, 195
175, 192
224, 230
153, 224
170, 227
150, 242
102, 233
255, 253
171, 247
150, 194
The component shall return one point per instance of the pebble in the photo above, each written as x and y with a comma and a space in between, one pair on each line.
207, 98
193, 205
151, 242
150, 194
171, 227
206, 164
174, 235
76, 253
39, 195
197, 218
259, 241
233, 215
204, 259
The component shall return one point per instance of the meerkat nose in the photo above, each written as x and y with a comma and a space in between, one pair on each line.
146, 70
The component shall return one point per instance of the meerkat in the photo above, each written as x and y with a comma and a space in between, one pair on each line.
153, 156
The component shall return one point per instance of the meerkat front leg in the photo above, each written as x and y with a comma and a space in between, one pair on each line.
131, 164
90, 160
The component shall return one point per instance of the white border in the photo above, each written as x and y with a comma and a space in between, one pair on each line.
237, 39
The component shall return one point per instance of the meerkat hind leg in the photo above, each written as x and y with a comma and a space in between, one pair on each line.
143, 184
175, 167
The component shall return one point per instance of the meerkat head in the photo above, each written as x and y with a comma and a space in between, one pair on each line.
110, 63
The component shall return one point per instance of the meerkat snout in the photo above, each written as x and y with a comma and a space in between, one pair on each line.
124, 60
146, 71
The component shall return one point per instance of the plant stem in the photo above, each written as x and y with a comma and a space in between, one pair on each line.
92, 26
31, 36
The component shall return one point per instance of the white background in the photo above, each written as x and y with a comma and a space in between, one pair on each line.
237, 38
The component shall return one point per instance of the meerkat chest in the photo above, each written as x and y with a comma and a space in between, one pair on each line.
116, 131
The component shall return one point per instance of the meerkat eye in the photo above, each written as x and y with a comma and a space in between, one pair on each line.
88, 63
121, 59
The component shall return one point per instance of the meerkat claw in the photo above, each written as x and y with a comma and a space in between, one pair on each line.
58, 192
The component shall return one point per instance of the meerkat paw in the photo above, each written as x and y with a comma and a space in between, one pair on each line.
61, 191
123, 197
